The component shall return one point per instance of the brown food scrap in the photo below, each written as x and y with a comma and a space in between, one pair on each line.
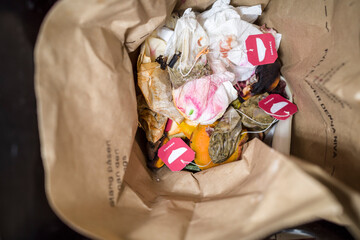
268, 77
154, 162
152, 122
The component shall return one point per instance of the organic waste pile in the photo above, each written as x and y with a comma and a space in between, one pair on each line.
198, 85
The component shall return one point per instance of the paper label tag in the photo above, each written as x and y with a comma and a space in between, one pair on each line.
278, 106
261, 49
176, 154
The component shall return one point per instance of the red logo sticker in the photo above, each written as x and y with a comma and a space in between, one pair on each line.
278, 107
261, 49
176, 154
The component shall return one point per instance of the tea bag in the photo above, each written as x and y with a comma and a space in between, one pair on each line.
253, 116
224, 139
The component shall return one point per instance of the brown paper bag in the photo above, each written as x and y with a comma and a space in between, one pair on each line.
96, 177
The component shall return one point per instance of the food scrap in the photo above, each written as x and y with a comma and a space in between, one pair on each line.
199, 89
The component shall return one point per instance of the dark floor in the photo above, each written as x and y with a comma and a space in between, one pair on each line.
24, 211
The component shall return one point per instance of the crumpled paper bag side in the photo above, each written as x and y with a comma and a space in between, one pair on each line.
320, 52
263, 193
87, 104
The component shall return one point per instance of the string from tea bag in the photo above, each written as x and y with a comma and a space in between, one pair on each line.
261, 131
195, 163
202, 52
272, 114
252, 118
184, 75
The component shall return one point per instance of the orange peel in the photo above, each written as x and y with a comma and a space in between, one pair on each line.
187, 128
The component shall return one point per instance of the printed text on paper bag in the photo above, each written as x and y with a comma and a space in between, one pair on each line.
330, 120
113, 170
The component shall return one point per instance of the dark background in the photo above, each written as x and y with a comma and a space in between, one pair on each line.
24, 210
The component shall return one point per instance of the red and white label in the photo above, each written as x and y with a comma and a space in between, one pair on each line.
261, 49
176, 154
278, 107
